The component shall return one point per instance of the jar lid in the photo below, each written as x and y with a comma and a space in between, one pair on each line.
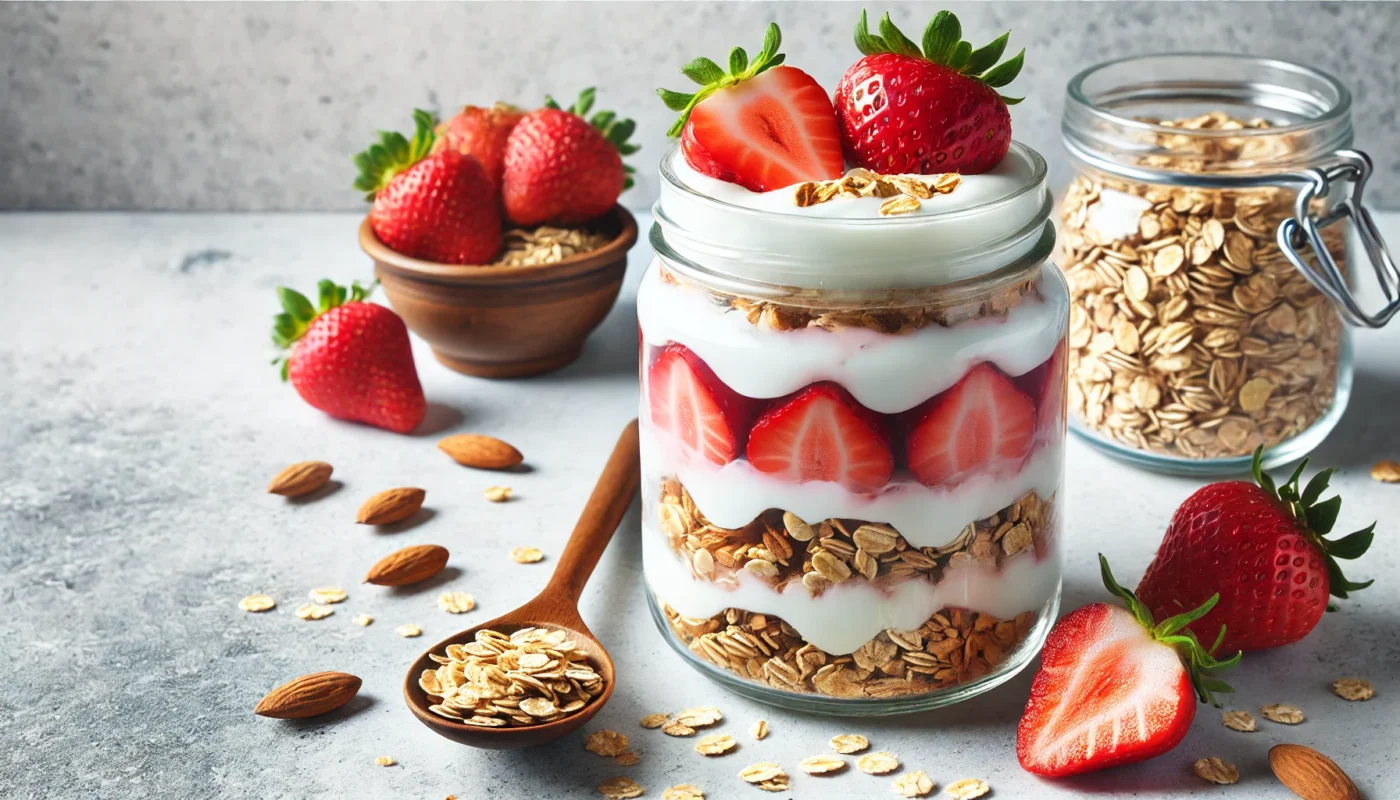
990, 221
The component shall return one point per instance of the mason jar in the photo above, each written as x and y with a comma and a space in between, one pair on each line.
853, 433
1204, 241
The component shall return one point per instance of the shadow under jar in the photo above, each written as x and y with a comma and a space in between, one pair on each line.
853, 438
1204, 241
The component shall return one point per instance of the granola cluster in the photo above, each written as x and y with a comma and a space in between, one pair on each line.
902, 193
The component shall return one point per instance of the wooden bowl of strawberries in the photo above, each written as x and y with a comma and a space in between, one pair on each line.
497, 234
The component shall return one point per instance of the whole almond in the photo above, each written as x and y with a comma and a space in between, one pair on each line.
481, 452
301, 478
309, 696
409, 565
1310, 774
391, 505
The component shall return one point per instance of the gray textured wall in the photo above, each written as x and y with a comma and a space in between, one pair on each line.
259, 106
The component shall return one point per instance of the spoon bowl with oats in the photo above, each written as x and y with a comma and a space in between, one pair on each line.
537, 673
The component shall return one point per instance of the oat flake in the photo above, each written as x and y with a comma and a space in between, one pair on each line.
363, 620
497, 494
1353, 689
759, 729
655, 720
674, 728
314, 611
1241, 721
1282, 713
967, 789
1216, 770
255, 603
526, 555
327, 594
913, 784
716, 744
606, 743
849, 743
620, 788
385, 761
761, 772
683, 791
627, 759
822, 765
408, 631
877, 763
456, 602
1386, 471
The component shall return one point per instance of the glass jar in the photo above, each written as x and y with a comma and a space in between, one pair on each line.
852, 435
1208, 315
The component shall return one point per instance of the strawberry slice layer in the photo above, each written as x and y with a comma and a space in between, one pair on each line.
822, 434
1046, 386
773, 130
687, 400
982, 424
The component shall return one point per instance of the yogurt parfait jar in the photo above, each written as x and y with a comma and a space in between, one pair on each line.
853, 432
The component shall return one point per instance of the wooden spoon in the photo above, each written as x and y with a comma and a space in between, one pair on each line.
554, 608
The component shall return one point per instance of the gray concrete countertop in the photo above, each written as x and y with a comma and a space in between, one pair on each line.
140, 423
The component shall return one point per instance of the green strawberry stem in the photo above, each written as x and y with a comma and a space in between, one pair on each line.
943, 45
1316, 519
1201, 664
712, 77
616, 131
298, 313
393, 154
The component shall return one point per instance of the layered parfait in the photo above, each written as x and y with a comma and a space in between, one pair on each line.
853, 375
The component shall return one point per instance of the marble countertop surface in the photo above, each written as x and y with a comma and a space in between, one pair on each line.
140, 423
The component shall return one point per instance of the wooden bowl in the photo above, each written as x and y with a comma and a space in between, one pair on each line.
506, 322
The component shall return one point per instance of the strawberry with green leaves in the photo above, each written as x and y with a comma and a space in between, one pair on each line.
438, 206
482, 134
349, 358
907, 110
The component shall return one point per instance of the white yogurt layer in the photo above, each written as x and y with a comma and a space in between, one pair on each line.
886, 373
847, 615
731, 496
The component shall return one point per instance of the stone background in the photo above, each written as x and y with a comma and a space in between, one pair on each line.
258, 106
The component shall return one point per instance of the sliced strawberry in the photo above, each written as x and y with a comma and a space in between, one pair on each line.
822, 434
1113, 688
696, 407
1046, 386
983, 423
760, 125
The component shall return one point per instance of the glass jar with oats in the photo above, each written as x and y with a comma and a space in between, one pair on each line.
1204, 240
853, 432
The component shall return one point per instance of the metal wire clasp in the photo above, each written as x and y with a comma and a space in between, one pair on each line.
1304, 229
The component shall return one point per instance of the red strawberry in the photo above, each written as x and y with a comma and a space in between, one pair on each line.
350, 359
480, 133
1115, 688
822, 434
983, 423
759, 125
564, 169
440, 207
690, 402
1046, 385
936, 111
1263, 547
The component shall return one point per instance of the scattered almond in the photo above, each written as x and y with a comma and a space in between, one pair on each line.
605, 743
327, 594
759, 729
408, 566
822, 765
848, 743
967, 789
391, 505
1353, 689
309, 696
683, 791
1241, 721
620, 788
1310, 774
313, 611
526, 555
1216, 770
654, 720
716, 744
497, 494
456, 602
480, 452
1386, 471
257, 602
301, 478
1282, 713
385, 761
877, 763
408, 631
913, 784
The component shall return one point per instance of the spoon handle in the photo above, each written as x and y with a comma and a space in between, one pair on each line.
606, 506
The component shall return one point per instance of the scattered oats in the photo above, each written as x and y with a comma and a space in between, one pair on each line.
1282, 713
314, 611
538, 706
779, 784
497, 494
409, 631
759, 729
605, 743
654, 720
620, 788
716, 744
546, 245
877, 763
822, 765
848, 743
674, 728
526, 555
683, 791
256, 603
385, 761
1353, 689
1386, 471
903, 204
1241, 721
699, 717
967, 789
627, 759
456, 602
327, 594
762, 772
1216, 770
913, 784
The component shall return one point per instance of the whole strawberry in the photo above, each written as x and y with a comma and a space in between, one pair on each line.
440, 207
349, 358
563, 168
906, 111
480, 133
1262, 547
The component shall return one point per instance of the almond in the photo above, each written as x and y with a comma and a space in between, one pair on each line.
299, 479
1310, 774
409, 565
309, 696
391, 505
481, 452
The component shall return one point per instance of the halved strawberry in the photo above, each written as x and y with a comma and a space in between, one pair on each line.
1045, 384
983, 423
695, 406
760, 125
1114, 687
822, 434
